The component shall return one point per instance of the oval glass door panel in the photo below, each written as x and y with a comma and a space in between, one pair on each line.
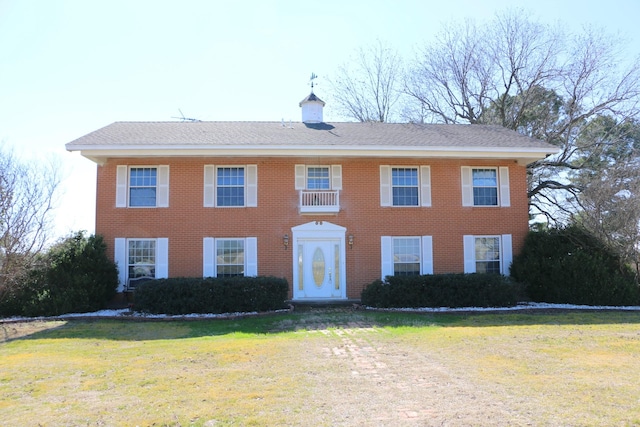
318, 267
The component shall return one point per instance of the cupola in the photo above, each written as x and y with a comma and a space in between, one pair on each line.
312, 108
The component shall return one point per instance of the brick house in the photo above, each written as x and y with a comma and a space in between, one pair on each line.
329, 206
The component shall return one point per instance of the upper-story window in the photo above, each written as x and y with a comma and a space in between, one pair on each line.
405, 186
230, 186
142, 186
318, 178
485, 186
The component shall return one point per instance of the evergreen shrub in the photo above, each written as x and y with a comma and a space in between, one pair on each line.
211, 295
571, 266
73, 276
442, 290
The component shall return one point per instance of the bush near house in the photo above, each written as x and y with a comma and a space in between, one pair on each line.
74, 275
211, 295
571, 266
443, 290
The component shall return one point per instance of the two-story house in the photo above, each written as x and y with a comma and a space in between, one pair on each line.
329, 206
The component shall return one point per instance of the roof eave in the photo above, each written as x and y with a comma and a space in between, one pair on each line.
99, 154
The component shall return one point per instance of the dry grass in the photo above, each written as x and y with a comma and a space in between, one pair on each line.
325, 368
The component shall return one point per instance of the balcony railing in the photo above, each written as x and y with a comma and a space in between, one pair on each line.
324, 201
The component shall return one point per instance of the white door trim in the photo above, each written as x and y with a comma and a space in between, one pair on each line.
318, 231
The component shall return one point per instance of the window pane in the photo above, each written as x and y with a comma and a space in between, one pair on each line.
318, 178
229, 257
230, 196
406, 256
230, 182
487, 255
405, 196
485, 187
485, 196
142, 187
141, 261
404, 186
142, 196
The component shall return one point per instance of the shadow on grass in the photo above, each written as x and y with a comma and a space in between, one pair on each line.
136, 329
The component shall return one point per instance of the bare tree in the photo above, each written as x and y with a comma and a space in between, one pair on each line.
27, 195
367, 88
532, 78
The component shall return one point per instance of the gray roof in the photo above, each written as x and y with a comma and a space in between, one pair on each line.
287, 134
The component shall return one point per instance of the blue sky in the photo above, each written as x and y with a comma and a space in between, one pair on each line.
70, 67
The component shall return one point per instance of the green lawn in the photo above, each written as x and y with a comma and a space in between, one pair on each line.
325, 368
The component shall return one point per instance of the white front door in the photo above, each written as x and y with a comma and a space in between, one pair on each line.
320, 269
319, 257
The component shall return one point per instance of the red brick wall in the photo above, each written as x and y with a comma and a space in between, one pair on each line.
185, 222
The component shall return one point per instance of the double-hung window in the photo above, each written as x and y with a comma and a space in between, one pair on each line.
140, 260
230, 186
228, 257
405, 186
485, 186
142, 186
318, 178
487, 254
406, 255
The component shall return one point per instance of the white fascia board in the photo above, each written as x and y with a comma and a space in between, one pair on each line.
99, 154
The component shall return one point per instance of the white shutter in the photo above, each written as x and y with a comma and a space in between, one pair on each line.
336, 177
120, 258
425, 185
121, 186
252, 185
467, 186
209, 186
162, 200
427, 255
386, 252
251, 257
162, 258
385, 186
469, 254
505, 198
301, 177
507, 254
208, 257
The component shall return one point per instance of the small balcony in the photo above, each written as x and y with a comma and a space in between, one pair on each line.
319, 202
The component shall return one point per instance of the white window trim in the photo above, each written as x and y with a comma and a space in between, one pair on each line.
424, 185
301, 176
386, 254
506, 252
123, 185
211, 186
503, 184
121, 258
209, 267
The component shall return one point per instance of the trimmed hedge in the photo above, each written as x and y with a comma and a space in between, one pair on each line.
571, 266
442, 290
211, 295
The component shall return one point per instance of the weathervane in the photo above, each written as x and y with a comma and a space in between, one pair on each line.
313, 77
